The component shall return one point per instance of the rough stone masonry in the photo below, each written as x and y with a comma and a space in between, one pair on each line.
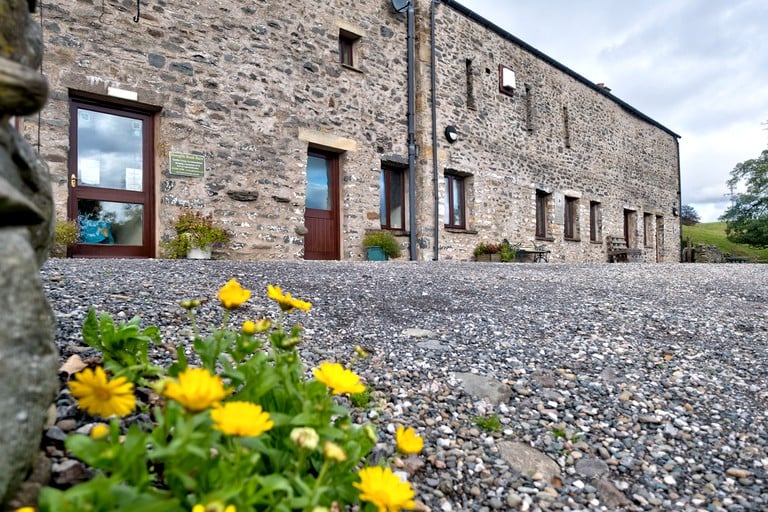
28, 357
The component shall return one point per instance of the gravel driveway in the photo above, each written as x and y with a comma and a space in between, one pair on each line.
616, 387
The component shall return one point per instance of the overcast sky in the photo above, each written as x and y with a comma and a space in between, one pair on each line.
698, 67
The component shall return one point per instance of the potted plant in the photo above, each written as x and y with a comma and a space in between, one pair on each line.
196, 236
381, 245
485, 251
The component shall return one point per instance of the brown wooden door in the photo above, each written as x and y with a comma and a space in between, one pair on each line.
111, 187
321, 214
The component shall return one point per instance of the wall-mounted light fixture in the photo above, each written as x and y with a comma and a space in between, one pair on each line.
674, 211
451, 134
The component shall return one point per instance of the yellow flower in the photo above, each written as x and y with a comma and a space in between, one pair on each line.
232, 295
381, 487
215, 506
305, 437
196, 389
99, 431
99, 396
339, 379
285, 301
407, 441
244, 419
332, 451
248, 327
25, 509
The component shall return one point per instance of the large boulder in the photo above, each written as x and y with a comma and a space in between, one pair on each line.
28, 356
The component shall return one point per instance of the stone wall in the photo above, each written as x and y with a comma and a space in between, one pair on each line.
554, 133
253, 86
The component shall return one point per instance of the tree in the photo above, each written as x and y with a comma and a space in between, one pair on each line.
747, 218
688, 215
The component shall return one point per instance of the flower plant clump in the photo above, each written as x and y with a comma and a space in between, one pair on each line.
248, 429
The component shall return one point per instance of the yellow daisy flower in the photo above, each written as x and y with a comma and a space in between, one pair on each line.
98, 396
196, 389
232, 295
407, 441
381, 487
244, 419
285, 301
25, 509
338, 378
99, 431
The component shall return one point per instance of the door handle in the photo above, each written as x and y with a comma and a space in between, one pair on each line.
72, 180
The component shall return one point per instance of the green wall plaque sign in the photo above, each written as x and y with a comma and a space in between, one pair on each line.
183, 164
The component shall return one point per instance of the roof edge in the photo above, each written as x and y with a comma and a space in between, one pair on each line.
549, 60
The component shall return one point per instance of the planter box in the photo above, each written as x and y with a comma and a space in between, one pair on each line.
376, 254
489, 258
197, 253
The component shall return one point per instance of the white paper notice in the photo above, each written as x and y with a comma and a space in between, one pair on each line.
132, 179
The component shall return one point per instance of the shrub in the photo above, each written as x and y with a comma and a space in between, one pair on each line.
486, 248
193, 229
385, 240
65, 234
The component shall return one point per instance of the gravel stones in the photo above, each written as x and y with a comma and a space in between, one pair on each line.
644, 386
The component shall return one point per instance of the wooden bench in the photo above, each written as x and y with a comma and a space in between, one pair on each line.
618, 252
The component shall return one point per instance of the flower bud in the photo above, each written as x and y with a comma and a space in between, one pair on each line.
248, 327
332, 451
305, 437
99, 431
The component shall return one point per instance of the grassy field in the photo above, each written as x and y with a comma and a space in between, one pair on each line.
713, 233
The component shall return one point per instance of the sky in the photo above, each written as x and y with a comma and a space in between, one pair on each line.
698, 67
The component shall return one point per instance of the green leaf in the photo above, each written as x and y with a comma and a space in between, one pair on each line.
91, 330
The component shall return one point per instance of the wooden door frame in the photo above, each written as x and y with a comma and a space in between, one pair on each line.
335, 195
146, 113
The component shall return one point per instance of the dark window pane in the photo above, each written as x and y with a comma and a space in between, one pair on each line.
107, 222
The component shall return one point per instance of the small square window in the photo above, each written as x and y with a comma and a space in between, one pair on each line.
348, 43
507, 83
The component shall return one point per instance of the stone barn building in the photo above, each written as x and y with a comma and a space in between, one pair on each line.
300, 126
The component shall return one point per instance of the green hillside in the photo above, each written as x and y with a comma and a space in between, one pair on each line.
713, 233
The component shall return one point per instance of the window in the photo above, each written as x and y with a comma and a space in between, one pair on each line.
529, 107
506, 80
595, 222
566, 128
471, 104
542, 213
347, 48
454, 202
571, 218
392, 198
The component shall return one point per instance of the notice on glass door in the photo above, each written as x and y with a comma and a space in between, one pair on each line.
184, 164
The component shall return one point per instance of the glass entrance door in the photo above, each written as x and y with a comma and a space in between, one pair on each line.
111, 181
